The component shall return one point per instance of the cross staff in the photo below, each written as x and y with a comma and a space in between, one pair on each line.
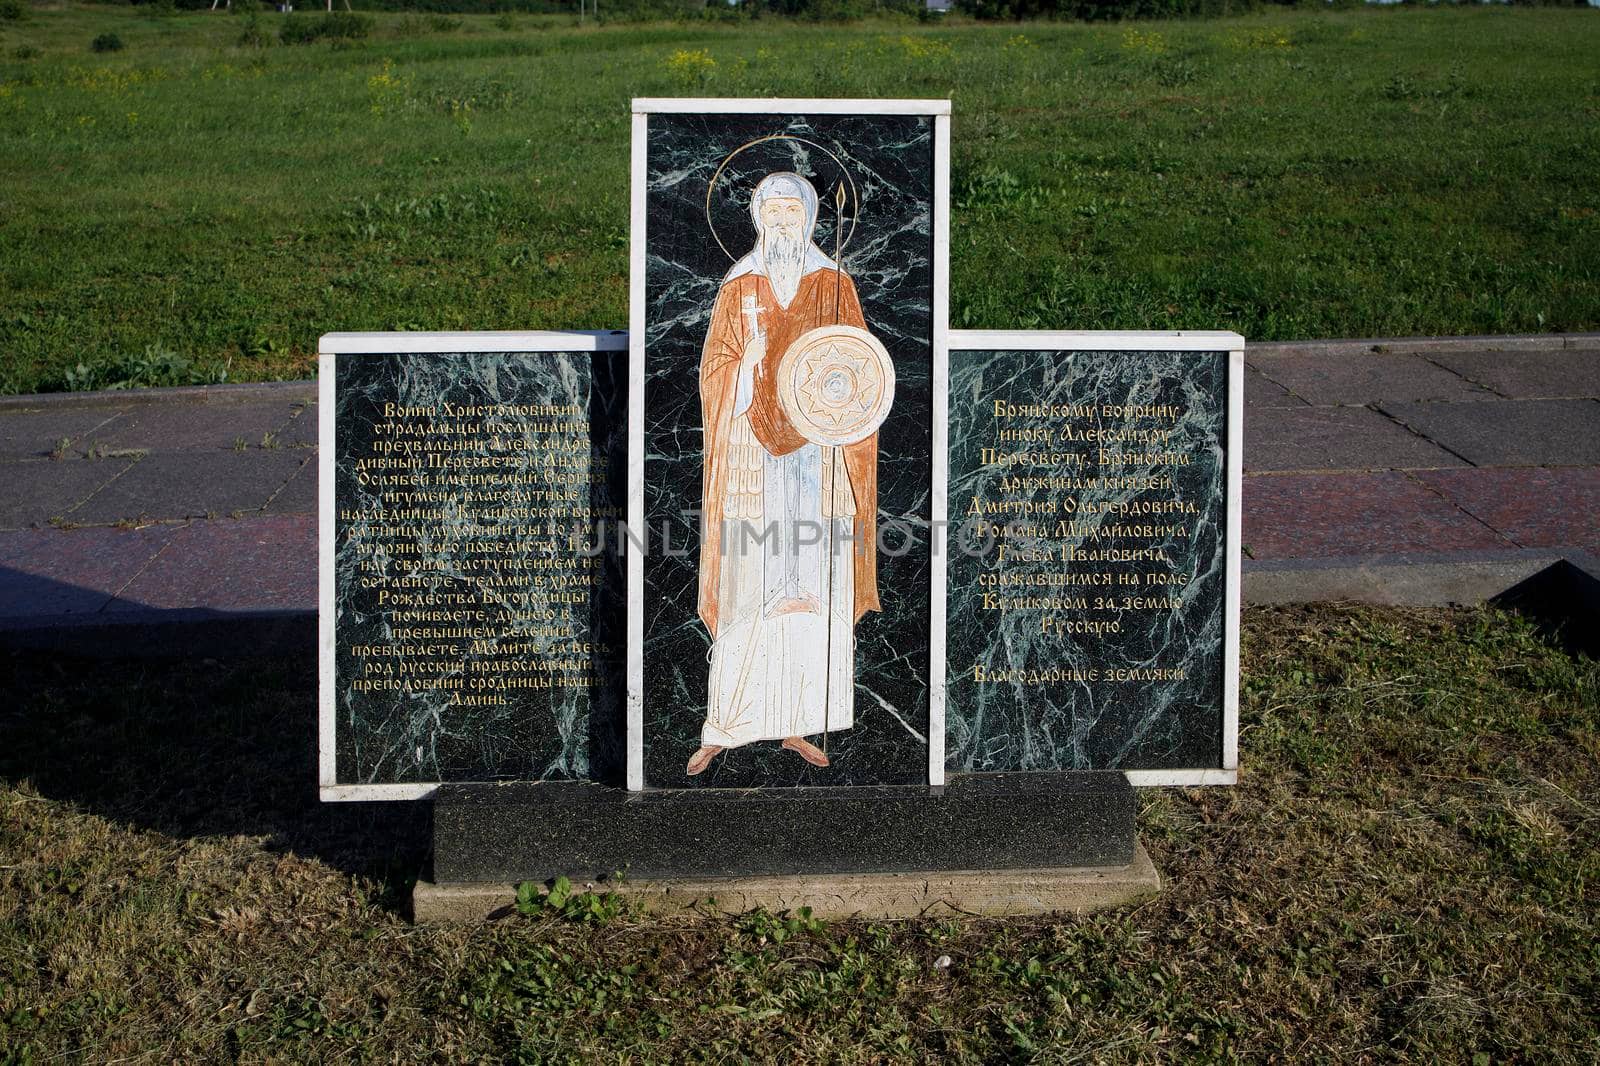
838, 247
833, 460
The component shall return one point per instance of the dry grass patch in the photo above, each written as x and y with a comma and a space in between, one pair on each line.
1407, 871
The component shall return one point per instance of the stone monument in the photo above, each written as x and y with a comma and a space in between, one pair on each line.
898, 616
813, 232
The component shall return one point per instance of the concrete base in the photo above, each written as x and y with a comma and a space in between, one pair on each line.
1522, 342
835, 896
1419, 580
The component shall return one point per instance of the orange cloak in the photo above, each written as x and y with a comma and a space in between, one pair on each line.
813, 305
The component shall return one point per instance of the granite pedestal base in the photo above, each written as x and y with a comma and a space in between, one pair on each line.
979, 826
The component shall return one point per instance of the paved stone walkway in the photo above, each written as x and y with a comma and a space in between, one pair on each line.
177, 503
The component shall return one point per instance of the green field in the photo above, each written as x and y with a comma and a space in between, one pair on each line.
192, 207
1408, 870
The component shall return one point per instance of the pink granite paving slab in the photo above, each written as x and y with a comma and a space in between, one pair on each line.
1529, 375
51, 572
300, 430
1259, 392
1510, 432
267, 562
1319, 516
299, 496
1363, 379
1535, 507
176, 485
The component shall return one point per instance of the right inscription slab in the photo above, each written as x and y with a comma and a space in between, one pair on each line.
1093, 553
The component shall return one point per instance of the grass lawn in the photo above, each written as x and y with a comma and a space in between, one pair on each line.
1408, 870
192, 207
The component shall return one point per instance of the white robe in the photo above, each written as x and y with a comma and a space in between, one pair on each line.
778, 675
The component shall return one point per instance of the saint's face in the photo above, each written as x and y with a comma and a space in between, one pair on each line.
783, 216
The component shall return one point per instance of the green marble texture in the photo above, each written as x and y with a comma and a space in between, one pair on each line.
1097, 567
446, 724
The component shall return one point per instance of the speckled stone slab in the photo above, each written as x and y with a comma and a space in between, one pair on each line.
1323, 516
1338, 438
1533, 508
1357, 380
1087, 570
586, 832
478, 616
1510, 432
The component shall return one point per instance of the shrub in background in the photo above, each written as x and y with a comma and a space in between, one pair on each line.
840, 10
106, 42
1108, 10
156, 367
254, 35
338, 26
13, 10
463, 7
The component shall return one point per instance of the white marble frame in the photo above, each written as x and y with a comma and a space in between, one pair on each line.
643, 108
1153, 341
329, 348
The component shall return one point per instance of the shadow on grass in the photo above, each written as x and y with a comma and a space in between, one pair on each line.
197, 747
1563, 603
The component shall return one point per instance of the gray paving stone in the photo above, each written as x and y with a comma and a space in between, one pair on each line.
1335, 438
37, 491
1362, 379
299, 496
188, 427
36, 434
254, 563
1511, 432
1569, 373
191, 485
300, 430
1259, 392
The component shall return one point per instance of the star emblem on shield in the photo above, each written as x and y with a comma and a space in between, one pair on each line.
836, 384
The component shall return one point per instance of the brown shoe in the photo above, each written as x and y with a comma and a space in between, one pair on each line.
806, 750
702, 759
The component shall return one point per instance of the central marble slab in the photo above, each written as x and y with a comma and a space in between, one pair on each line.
788, 288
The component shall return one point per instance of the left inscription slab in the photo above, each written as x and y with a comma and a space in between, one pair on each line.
472, 606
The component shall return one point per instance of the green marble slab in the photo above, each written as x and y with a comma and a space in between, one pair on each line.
1086, 578
478, 613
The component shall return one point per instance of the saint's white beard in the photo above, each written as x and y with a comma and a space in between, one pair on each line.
786, 263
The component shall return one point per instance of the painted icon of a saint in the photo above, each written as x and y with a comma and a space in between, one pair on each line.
793, 388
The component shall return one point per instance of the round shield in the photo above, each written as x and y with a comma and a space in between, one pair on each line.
836, 384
